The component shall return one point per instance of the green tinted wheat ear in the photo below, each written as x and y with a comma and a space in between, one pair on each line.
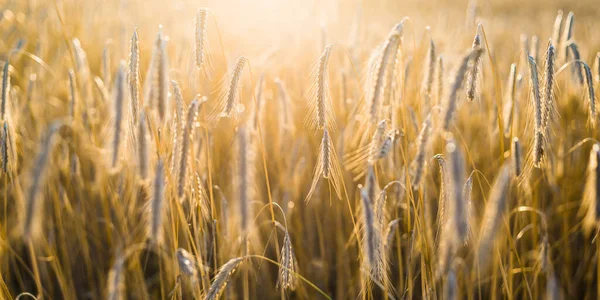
450, 105
157, 204
556, 31
32, 218
220, 281
507, 113
430, 64
118, 98
538, 133
591, 193
5, 89
592, 117
185, 145
321, 115
474, 70
133, 77
492, 217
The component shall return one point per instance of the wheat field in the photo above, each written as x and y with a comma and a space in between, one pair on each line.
335, 149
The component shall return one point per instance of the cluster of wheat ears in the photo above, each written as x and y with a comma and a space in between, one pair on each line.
395, 172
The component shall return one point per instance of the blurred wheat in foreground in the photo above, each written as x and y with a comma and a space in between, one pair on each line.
152, 151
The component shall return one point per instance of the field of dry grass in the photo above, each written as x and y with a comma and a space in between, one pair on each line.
334, 149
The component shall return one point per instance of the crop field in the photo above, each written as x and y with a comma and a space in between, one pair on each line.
269, 149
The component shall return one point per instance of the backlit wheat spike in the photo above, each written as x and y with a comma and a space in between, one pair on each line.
376, 141
327, 167
178, 124
466, 198
133, 77
418, 163
567, 35
492, 216
156, 85
286, 278
386, 145
509, 104
187, 263
5, 89
201, 15
372, 243
516, 156
377, 82
450, 105
474, 70
228, 105
157, 205
185, 145
32, 219
8, 154
548, 94
439, 80
443, 198
592, 117
430, 64
556, 31
118, 98
321, 115
538, 133
220, 281
591, 193
390, 77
